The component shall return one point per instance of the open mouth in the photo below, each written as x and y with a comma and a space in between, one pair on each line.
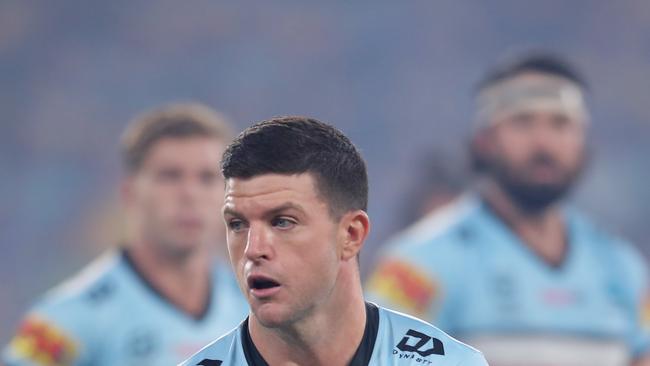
261, 283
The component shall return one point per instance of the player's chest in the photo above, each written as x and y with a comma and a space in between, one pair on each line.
519, 290
159, 334
151, 342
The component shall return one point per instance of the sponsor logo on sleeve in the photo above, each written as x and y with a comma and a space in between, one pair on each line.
418, 347
404, 286
43, 343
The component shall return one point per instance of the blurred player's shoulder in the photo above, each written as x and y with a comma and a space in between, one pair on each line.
425, 264
224, 351
441, 221
438, 227
440, 236
79, 304
405, 337
622, 256
64, 326
94, 285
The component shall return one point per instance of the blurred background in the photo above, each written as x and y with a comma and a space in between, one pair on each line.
396, 77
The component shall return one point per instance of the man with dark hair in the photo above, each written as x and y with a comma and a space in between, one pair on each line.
295, 212
508, 268
158, 298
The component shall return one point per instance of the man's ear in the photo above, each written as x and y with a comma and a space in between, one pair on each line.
481, 142
353, 229
481, 148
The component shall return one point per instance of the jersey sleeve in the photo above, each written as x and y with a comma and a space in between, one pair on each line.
474, 359
51, 334
635, 272
224, 351
420, 277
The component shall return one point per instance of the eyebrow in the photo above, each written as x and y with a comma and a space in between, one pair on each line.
272, 212
284, 207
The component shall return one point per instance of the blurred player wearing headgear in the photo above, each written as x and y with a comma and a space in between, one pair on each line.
162, 295
295, 212
509, 268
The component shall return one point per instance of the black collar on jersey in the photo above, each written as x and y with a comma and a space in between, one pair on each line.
126, 256
361, 356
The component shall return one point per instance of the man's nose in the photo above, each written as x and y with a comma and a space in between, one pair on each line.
258, 243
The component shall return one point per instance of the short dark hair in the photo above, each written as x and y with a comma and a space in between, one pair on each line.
295, 145
536, 61
176, 120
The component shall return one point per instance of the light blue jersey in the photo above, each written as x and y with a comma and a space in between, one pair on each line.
109, 315
464, 270
390, 339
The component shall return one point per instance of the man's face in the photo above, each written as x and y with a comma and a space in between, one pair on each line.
176, 193
283, 245
535, 154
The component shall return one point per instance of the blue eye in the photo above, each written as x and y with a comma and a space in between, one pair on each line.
236, 225
282, 223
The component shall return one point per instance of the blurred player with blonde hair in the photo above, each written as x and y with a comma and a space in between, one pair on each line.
162, 294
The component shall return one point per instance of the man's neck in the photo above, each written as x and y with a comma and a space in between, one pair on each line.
544, 231
185, 283
330, 335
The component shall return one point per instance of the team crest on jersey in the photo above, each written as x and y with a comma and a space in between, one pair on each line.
405, 286
42, 343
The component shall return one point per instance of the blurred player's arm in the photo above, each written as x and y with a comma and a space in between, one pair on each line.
643, 361
398, 284
412, 279
43, 341
635, 278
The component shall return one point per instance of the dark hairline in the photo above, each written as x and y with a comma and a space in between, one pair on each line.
335, 210
543, 63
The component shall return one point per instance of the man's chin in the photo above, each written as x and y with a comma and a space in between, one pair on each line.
270, 315
182, 249
535, 190
537, 198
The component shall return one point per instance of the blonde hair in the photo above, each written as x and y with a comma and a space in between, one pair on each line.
176, 120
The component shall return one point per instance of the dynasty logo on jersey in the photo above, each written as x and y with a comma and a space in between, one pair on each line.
43, 343
405, 286
417, 346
